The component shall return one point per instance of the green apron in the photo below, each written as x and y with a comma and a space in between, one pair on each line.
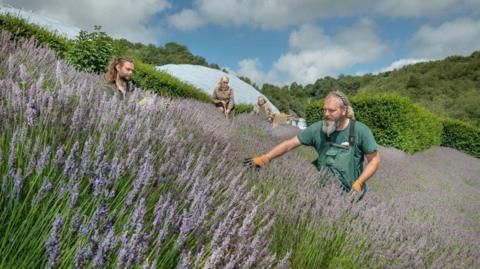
339, 159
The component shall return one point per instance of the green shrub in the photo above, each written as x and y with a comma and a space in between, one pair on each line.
394, 120
462, 136
314, 112
91, 52
149, 78
20, 28
243, 108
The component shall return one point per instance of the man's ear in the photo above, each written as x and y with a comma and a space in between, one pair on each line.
118, 67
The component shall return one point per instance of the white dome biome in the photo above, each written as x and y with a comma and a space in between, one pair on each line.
206, 79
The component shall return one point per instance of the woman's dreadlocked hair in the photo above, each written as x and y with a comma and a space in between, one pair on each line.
344, 102
111, 71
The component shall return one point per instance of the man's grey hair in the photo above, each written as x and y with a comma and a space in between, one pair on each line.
344, 102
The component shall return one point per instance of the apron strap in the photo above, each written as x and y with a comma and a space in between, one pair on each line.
351, 136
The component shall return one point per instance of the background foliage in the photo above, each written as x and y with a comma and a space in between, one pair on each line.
462, 136
449, 87
242, 108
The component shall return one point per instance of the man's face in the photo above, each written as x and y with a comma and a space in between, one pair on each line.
333, 115
125, 71
332, 110
261, 101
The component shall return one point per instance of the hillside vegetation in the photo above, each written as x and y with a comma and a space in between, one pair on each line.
449, 88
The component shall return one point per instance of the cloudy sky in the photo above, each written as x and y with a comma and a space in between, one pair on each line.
281, 41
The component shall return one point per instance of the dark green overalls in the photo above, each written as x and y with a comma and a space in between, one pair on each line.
339, 159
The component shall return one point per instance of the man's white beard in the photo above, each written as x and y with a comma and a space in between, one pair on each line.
329, 127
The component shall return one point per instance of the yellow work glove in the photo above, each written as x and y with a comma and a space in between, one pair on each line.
256, 161
357, 185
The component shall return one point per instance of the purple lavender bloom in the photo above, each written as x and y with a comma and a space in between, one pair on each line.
46, 187
43, 161
83, 257
70, 163
17, 183
185, 261
58, 160
74, 193
52, 245
31, 113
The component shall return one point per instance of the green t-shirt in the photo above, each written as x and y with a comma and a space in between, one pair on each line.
364, 144
112, 90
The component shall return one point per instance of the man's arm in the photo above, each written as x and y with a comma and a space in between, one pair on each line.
277, 151
373, 160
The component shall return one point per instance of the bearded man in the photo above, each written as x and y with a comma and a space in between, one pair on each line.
119, 76
341, 142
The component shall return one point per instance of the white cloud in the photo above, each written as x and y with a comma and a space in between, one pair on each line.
315, 55
251, 69
275, 14
393, 66
457, 37
186, 20
308, 37
126, 19
415, 8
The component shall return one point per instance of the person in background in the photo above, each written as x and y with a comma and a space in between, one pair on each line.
119, 76
341, 143
223, 96
263, 109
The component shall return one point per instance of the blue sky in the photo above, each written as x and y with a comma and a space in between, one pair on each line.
282, 41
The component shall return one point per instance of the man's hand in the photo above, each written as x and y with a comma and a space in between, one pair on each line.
357, 185
256, 161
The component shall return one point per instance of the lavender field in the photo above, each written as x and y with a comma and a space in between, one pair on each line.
90, 181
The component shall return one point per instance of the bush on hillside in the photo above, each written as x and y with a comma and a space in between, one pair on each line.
394, 120
149, 78
462, 136
243, 108
91, 52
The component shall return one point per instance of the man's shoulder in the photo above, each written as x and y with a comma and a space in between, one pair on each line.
316, 125
360, 126
314, 128
109, 87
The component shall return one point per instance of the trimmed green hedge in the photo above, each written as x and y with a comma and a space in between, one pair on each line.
394, 120
462, 136
20, 28
242, 108
149, 78
314, 112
